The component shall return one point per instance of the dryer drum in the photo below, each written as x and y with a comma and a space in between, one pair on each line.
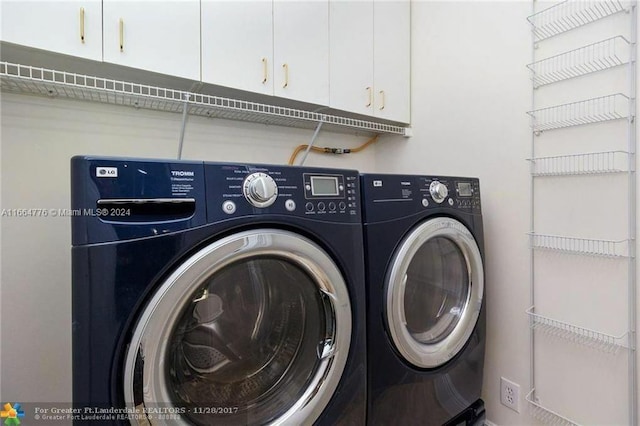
244, 326
434, 292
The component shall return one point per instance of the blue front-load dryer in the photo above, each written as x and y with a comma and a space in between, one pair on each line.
425, 294
217, 294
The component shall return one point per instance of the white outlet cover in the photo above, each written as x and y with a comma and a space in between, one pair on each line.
510, 394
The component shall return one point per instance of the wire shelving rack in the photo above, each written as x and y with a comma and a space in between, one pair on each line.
615, 51
580, 246
26, 79
589, 111
569, 15
546, 415
584, 336
600, 56
591, 163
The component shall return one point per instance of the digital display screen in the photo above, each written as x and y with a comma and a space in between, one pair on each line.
464, 189
324, 185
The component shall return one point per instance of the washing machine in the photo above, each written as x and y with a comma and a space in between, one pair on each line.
425, 299
209, 293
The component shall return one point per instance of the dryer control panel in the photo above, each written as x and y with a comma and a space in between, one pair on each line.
234, 190
388, 196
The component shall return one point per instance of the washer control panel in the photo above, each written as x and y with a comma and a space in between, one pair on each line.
235, 190
330, 192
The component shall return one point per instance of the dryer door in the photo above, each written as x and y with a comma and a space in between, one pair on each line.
253, 329
434, 292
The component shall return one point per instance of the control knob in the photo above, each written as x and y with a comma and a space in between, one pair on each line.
260, 189
438, 191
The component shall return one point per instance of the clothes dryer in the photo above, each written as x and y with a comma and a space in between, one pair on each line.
217, 293
425, 295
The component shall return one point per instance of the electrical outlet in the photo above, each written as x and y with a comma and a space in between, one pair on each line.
510, 394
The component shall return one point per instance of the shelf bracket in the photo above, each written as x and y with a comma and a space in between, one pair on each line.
313, 140
185, 114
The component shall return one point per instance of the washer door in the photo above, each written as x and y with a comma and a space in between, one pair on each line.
253, 329
434, 292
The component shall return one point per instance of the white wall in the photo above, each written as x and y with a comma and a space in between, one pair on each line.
38, 138
470, 93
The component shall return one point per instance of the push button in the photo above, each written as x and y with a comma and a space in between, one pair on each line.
332, 206
321, 206
290, 205
342, 205
309, 207
229, 207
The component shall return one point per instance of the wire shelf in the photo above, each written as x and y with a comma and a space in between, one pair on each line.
592, 58
581, 164
603, 248
583, 336
44, 82
571, 14
595, 110
545, 415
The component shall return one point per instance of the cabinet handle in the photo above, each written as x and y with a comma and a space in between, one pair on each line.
286, 75
382, 100
370, 96
82, 24
121, 35
264, 70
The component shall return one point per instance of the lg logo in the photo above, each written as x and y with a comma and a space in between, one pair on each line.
106, 172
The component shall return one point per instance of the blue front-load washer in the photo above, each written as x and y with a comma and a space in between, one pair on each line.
217, 294
425, 295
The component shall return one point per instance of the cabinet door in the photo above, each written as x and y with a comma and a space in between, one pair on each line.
392, 65
301, 50
351, 55
237, 44
159, 36
69, 27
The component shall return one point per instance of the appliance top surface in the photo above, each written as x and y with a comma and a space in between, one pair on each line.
88, 158
395, 196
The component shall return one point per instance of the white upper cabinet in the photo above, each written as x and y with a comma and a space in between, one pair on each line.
301, 50
351, 56
69, 27
162, 36
276, 47
370, 57
237, 44
392, 59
